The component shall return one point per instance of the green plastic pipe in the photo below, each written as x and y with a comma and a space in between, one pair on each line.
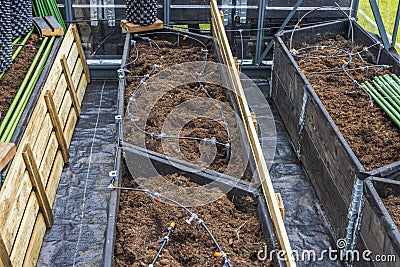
382, 103
394, 77
18, 50
393, 84
387, 95
21, 88
391, 88
28, 92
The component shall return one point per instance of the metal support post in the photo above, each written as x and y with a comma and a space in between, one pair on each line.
167, 4
68, 11
271, 43
379, 23
260, 32
354, 8
396, 26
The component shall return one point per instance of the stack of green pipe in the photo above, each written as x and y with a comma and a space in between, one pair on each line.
42, 8
386, 92
13, 115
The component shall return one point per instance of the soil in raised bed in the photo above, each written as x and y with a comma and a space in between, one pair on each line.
392, 204
199, 127
141, 223
13, 77
372, 135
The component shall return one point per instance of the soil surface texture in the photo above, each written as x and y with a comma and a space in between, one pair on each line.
392, 204
141, 223
372, 135
13, 77
179, 110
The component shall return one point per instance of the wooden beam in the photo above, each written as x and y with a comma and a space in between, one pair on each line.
48, 97
80, 51
261, 166
57, 29
44, 28
4, 257
70, 84
280, 204
37, 184
254, 119
7, 152
132, 28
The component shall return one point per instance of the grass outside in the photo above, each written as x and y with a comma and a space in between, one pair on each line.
388, 10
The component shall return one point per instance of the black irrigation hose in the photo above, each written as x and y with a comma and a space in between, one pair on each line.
155, 196
143, 83
98, 46
163, 242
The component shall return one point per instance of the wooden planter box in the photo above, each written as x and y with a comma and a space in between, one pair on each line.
378, 229
29, 189
325, 154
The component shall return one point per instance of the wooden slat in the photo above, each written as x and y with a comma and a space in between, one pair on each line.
73, 56
7, 152
4, 257
70, 84
38, 185
70, 126
43, 26
25, 231
35, 243
48, 160
80, 51
280, 204
57, 29
64, 109
82, 88
57, 125
132, 28
39, 147
261, 166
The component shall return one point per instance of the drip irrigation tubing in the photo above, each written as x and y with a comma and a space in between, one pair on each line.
163, 242
157, 197
143, 83
343, 53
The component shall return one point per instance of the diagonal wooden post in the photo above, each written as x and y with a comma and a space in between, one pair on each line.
37, 184
7, 152
80, 51
70, 84
4, 257
48, 97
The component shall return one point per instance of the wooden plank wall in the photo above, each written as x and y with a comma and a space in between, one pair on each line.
262, 169
42, 153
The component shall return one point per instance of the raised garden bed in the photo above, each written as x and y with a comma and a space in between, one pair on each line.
147, 166
335, 135
11, 82
148, 109
232, 220
13, 77
380, 223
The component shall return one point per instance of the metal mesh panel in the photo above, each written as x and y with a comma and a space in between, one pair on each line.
5, 36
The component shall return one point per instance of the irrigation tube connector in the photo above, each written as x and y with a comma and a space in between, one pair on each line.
163, 242
143, 84
157, 197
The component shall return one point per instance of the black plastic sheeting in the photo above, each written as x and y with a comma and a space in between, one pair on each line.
305, 222
81, 205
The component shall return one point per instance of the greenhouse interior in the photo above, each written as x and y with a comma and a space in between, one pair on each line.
269, 133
